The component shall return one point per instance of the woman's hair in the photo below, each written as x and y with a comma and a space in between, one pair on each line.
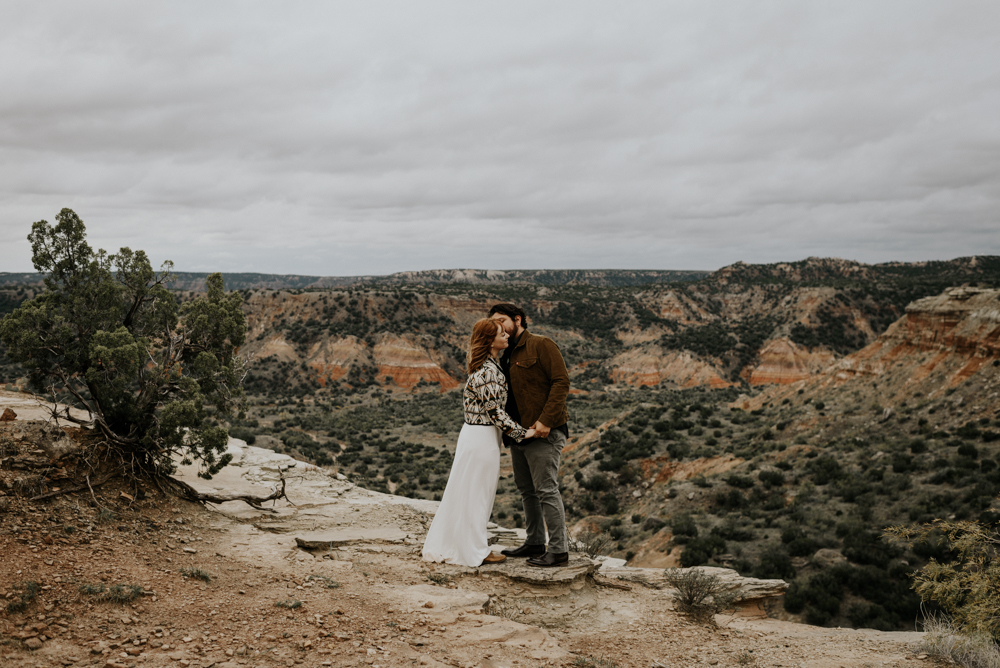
481, 342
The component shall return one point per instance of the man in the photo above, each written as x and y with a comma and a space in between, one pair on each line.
538, 386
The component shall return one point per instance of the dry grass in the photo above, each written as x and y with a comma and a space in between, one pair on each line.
972, 650
197, 574
499, 607
593, 543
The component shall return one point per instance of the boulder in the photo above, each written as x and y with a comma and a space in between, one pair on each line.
827, 557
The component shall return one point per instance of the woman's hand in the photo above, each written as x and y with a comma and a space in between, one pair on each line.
529, 434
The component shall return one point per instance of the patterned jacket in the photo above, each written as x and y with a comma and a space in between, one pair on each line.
485, 396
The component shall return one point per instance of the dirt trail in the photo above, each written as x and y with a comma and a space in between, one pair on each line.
337, 580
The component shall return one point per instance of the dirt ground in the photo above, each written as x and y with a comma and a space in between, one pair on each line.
358, 606
121, 576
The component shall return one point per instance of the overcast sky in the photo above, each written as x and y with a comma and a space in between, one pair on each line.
342, 138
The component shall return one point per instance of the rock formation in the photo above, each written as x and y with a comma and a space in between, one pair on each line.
782, 362
653, 365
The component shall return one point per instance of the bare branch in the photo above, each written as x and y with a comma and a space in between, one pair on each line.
253, 501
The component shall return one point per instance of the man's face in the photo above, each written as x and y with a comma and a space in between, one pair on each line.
509, 326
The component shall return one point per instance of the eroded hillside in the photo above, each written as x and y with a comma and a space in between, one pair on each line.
772, 418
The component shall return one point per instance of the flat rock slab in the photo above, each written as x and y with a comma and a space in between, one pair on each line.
321, 540
518, 570
418, 597
746, 589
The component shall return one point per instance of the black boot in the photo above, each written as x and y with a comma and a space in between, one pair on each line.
524, 551
550, 559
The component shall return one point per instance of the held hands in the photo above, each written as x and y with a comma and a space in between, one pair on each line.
529, 434
541, 431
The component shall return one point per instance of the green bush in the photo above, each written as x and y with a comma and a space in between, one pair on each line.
774, 563
684, 525
699, 594
968, 586
699, 550
771, 478
739, 481
597, 483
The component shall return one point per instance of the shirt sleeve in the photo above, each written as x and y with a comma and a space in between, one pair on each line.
490, 393
555, 368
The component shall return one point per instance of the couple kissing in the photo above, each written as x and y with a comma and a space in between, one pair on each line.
515, 397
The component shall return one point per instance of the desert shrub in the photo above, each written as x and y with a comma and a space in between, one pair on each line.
23, 594
797, 543
290, 604
329, 583
730, 499
122, 593
627, 475
684, 525
734, 531
818, 598
610, 503
593, 543
902, 463
119, 593
863, 546
699, 550
739, 481
824, 469
771, 478
244, 434
968, 450
774, 564
968, 431
851, 488
678, 450
699, 594
197, 574
613, 464
968, 586
597, 483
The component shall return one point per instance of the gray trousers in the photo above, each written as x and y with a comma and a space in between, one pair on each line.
536, 469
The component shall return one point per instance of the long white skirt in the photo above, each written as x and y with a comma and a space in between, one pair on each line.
458, 532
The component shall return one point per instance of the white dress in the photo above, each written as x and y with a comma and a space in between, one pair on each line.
458, 532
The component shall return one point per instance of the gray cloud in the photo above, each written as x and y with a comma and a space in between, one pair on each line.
344, 138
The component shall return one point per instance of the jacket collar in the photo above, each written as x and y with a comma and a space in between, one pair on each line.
522, 339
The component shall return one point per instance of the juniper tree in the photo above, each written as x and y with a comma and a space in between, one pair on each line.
107, 337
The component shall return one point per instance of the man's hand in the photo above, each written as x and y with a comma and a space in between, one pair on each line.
541, 431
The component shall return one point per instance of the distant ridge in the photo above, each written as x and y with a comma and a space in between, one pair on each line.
187, 280
813, 270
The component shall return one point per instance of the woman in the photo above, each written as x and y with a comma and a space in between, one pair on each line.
458, 532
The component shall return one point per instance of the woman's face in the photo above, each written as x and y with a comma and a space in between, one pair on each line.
500, 341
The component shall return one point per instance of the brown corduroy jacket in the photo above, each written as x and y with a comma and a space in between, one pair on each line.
539, 381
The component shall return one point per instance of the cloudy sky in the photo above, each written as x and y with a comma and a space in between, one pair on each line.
341, 138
